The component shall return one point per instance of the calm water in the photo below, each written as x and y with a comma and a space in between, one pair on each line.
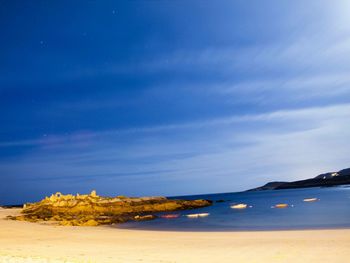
331, 211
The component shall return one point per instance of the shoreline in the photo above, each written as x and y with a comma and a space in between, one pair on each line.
229, 230
33, 242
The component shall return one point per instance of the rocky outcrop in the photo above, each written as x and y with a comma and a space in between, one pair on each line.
92, 210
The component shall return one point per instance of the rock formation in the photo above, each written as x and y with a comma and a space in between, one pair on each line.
92, 210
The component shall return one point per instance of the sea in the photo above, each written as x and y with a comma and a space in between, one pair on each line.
330, 211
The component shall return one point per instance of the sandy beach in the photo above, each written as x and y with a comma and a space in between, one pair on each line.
32, 242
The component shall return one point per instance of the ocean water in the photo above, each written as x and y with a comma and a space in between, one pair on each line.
331, 211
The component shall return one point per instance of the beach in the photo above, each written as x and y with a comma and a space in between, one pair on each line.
33, 242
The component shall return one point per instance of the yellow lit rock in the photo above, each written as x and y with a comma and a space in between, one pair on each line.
92, 210
90, 222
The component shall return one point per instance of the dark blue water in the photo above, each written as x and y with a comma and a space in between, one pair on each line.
331, 211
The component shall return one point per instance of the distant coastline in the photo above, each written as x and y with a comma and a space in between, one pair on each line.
329, 179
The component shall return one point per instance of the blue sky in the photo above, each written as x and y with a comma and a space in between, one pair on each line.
170, 97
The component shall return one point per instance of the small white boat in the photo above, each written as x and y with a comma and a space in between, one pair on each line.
192, 215
314, 199
239, 206
203, 214
197, 215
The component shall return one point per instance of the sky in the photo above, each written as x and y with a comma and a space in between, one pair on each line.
170, 97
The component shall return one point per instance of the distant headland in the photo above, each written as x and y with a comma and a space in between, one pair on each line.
341, 177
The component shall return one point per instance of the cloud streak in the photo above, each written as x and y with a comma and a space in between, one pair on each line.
284, 145
326, 112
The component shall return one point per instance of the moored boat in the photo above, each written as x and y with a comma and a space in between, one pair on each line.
170, 216
239, 206
203, 214
280, 206
197, 215
314, 199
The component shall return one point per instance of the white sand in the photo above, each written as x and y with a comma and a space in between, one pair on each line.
32, 242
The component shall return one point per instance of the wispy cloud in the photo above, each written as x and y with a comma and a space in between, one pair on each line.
326, 113
282, 145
